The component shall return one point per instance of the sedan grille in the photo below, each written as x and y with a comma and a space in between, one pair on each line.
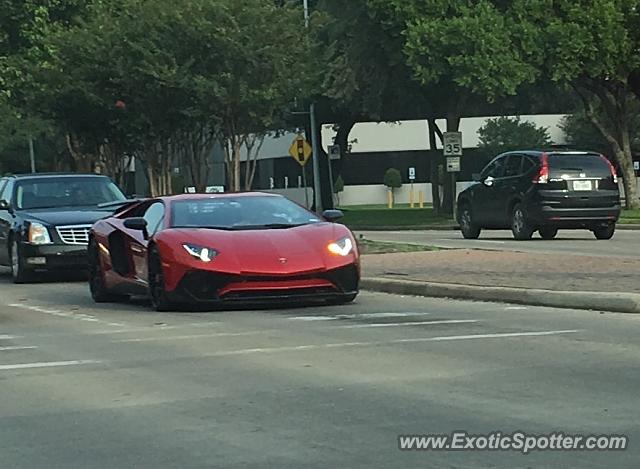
78, 235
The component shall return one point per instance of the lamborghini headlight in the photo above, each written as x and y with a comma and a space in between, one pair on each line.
342, 247
200, 253
38, 234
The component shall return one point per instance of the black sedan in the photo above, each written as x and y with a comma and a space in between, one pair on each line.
45, 220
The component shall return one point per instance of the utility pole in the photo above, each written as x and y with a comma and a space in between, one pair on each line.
32, 155
317, 191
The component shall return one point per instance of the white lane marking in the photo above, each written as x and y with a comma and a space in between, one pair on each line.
152, 329
356, 316
313, 318
384, 343
515, 308
380, 315
23, 366
17, 347
199, 336
415, 323
130, 330
500, 335
8, 337
62, 314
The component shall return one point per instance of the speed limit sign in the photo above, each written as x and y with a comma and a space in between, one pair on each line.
452, 143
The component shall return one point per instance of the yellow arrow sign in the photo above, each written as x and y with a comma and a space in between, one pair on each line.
300, 150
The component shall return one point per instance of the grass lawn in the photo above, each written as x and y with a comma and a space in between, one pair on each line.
630, 216
400, 216
367, 246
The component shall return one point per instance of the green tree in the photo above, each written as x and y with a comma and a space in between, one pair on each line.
164, 80
495, 48
592, 46
581, 133
510, 133
393, 60
393, 180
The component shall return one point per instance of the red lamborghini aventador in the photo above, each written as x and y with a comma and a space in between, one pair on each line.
221, 249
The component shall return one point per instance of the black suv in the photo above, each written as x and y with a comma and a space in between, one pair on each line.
45, 220
528, 191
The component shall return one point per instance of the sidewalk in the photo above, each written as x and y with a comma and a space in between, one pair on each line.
568, 281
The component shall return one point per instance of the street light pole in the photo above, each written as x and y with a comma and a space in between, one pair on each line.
32, 155
317, 191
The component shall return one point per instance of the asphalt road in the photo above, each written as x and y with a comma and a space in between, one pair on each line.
625, 243
118, 386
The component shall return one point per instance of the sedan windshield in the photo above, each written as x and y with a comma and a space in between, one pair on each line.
59, 192
240, 213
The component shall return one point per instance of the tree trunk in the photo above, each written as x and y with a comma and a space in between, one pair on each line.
253, 145
153, 181
236, 165
434, 159
343, 129
628, 181
616, 104
83, 162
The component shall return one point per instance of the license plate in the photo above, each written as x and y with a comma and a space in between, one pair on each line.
582, 185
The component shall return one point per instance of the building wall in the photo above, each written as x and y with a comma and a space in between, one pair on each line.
376, 194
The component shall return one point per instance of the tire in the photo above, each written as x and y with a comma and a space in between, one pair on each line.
520, 228
469, 229
604, 232
18, 271
548, 233
157, 291
99, 291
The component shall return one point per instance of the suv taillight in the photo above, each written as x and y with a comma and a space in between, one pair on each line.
612, 168
542, 177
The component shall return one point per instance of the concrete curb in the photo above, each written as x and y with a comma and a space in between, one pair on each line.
604, 301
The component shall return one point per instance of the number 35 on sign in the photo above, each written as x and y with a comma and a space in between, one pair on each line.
452, 143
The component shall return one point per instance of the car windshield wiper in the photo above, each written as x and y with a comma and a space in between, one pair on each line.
118, 203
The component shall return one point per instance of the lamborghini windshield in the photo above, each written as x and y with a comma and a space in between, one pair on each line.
240, 213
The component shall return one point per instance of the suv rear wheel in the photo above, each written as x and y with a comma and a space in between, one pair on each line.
520, 228
604, 232
548, 232
469, 229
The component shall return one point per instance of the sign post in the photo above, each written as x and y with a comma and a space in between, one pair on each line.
300, 151
452, 147
412, 177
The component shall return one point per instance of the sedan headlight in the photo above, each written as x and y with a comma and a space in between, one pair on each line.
342, 247
200, 253
38, 234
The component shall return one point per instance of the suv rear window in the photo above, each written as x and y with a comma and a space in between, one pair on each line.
591, 165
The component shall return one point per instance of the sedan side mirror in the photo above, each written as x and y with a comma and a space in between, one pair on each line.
332, 215
136, 223
5, 205
489, 181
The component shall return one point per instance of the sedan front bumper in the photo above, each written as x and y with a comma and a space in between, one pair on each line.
48, 257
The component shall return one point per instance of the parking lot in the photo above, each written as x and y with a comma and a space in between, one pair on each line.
86, 386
